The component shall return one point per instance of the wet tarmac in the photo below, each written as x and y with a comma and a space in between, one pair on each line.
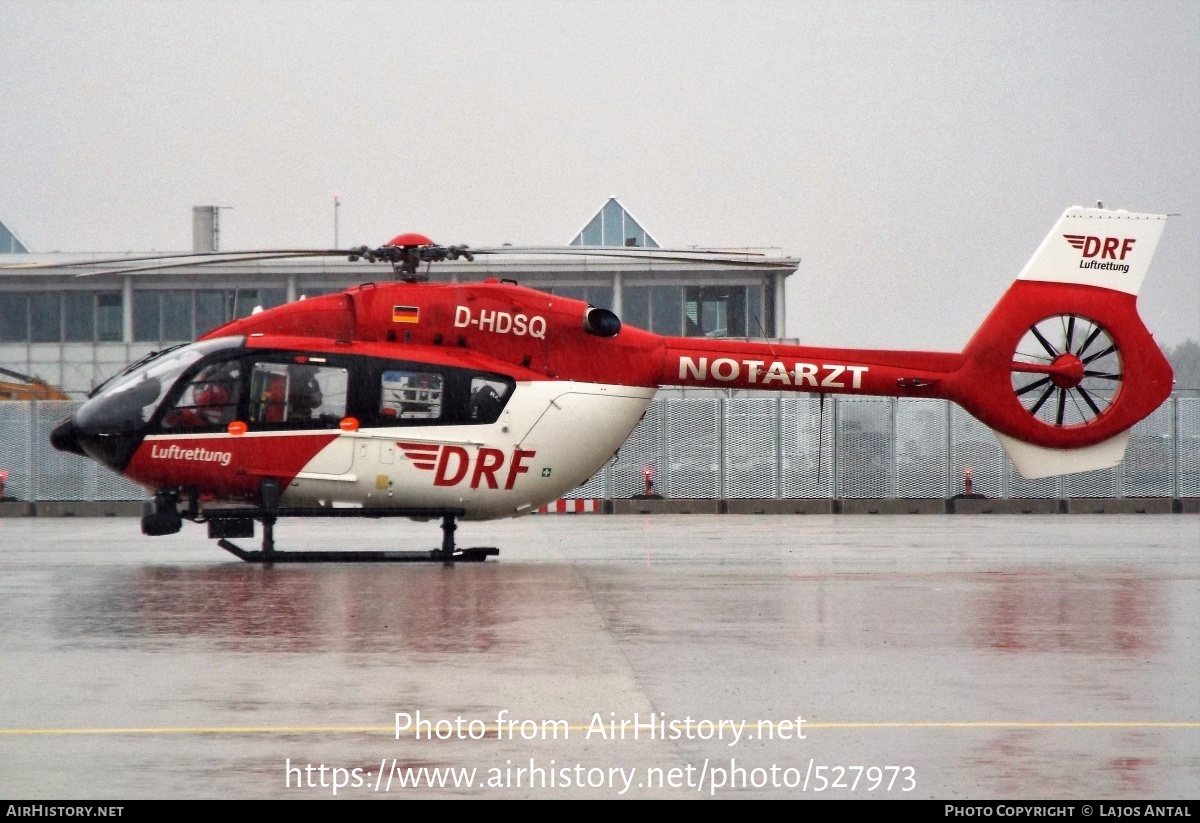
969, 657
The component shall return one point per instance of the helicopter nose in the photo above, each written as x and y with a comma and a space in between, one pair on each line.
65, 438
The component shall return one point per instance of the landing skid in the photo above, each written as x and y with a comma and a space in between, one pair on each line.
475, 555
225, 523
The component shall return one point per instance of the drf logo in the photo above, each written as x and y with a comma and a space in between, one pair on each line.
451, 464
1106, 247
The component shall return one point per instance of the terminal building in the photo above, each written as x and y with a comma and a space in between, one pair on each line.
75, 332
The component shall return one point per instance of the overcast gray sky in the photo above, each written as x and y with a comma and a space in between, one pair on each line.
912, 154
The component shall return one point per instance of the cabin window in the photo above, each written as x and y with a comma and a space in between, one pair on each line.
488, 396
411, 395
305, 393
414, 394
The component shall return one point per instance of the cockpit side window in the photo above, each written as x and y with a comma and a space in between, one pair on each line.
210, 399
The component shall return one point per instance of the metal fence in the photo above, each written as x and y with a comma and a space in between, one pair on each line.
871, 447
36, 471
745, 447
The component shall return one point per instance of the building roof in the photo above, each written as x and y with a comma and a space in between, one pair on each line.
613, 225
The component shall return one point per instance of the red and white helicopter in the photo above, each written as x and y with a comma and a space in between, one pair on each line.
488, 400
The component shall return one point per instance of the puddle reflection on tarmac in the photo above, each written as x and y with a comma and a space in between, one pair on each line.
998, 657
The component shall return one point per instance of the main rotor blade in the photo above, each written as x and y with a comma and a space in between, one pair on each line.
701, 256
193, 263
201, 258
644, 251
716, 257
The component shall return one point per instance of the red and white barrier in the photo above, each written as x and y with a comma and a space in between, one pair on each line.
580, 505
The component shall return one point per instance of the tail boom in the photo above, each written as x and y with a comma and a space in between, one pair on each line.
728, 364
1061, 369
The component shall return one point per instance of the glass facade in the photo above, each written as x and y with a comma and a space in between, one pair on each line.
210, 310
45, 317
666, 310
601, 296
613, 226
655, 308
109, 311
14, 318
177, 315
60, 317
687, 311
172, 315
724, 311
79, 317
696, 311
635, 309
9, 244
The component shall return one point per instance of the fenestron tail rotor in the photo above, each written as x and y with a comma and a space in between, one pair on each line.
1067, 370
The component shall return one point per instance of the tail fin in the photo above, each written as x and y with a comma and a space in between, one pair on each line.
1063, 366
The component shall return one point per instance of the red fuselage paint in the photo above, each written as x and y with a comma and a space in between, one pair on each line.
476, 325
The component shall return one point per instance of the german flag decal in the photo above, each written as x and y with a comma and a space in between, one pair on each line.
406, 314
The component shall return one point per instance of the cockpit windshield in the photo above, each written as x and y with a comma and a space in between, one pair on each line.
132, 367
126, 402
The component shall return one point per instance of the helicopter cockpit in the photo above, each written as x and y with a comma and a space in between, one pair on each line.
111, 424
204, 387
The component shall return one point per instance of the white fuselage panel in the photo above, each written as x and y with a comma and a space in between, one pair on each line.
551, 437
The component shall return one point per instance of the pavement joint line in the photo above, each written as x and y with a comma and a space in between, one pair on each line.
492, 730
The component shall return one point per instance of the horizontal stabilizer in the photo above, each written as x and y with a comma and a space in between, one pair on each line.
1034, 462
